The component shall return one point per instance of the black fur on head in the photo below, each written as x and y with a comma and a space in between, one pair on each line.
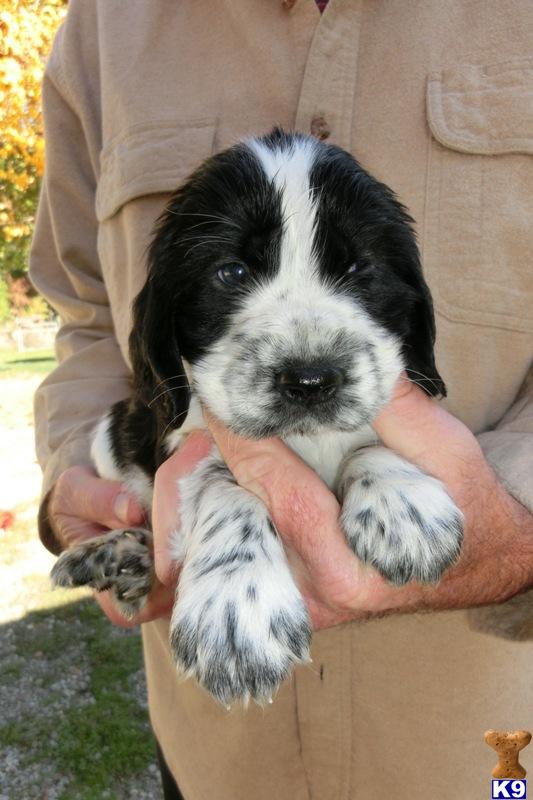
361, 219
227, 200
160, 381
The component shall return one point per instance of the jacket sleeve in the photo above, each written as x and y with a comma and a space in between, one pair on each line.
509, 450
509, 447
65, 269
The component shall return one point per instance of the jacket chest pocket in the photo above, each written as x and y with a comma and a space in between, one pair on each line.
478, 232
141, 168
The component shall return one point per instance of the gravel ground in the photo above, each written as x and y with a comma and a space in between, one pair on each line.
73, 716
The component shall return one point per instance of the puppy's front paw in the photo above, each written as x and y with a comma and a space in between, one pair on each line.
237, 645
403, 523
239, 624
118, 560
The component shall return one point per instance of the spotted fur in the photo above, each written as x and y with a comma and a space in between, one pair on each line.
285, 294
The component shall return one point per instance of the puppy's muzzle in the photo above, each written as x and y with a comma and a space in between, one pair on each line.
308, 385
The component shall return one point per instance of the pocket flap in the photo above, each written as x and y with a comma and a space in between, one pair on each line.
483, 109
148, 158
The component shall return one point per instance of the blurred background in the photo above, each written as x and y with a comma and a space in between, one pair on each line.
73, 717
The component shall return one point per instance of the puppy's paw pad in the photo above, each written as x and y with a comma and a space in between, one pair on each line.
119, 560
404, 524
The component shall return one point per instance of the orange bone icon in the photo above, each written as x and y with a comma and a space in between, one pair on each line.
508, 744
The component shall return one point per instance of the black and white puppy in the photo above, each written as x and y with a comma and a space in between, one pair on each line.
285, 294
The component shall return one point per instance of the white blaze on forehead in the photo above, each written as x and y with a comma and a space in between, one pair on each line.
296, 316
289, 169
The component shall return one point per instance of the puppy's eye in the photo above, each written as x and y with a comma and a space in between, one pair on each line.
352, 268
233, 274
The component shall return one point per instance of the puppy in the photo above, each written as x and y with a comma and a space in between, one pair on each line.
284, 294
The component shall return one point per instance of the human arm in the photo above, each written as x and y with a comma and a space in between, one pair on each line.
497, 557
65, 267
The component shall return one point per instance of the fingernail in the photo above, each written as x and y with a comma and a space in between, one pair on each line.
121, 507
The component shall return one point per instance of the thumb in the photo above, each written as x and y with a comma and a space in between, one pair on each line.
166, 502
402, 424
416, 427
81, 493
303, 509
306, 514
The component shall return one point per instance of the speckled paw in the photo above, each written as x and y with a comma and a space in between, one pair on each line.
120, 560
404, 524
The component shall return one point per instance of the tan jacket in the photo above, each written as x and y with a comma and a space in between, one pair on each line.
436, 99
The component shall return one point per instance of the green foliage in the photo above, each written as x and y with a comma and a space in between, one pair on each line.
4, 298
15, 237
27, 30
98, 737
110, 739
100, 745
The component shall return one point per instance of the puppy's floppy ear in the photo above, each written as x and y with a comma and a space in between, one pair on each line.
419, 339
159, 375
419, 344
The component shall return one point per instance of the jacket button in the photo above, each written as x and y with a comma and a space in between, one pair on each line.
288, 4
319, 127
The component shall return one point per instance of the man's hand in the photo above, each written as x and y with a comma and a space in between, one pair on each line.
497, 556
496, 561
82, 506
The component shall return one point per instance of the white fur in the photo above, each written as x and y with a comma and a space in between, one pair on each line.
296, 317
289, 172
101, 452
139, 484
135, 480
235, 588
239, 622
324, 452
397, 518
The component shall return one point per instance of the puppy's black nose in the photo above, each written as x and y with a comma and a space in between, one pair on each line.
308, 385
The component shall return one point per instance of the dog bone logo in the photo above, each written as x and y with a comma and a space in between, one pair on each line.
508, 744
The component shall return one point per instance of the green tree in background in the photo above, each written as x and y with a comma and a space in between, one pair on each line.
27, 28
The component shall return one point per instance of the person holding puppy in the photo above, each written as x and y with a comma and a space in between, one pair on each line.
433, 100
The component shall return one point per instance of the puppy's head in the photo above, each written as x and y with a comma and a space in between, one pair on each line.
288, 280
